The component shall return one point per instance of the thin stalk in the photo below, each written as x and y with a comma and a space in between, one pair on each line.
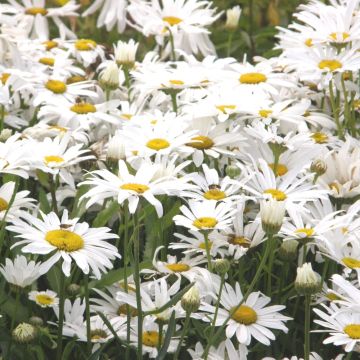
207, 249
183, 333
173, 95
307, 328
173, 56
251, 27
229, 43
2, 117
17, 298
335, 110
161, 326
271, 261
61, 315
87, 314
52, 183
127, 81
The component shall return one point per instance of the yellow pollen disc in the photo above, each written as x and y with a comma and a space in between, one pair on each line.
122, 310
47, 61
224, 108
35, 11
75, 79
201, 142
57, 127
157, 144
344, 230
332, 296
97, 334
53, 158
3, 204
337, 36
214, 194
85, 44
178, 267
334, 186
319, 137
353, 331
351, 262
65, 240
205, 222
44, 299
56, 86
4, 77
172, 20
176, 82
240, 241
331, 65
265, 113
50, 44
245, 315
252, 78
138, 188
308, 42
276, 194
203, 245
305, 231
127, 116
83, 108
281, 169
150, 338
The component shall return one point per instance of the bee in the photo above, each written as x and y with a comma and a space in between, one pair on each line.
214, 187
65, 226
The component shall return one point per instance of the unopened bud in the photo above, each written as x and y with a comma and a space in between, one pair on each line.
73, 289
221, 266
232, 171
272, 214
288, 250
125, 53
115, 150
5, 134
109, 77
232, 18
24, 333
318, 167
307, 282
190, 301
36, 321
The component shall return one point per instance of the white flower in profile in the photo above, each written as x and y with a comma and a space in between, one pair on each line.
21, 273
232, 18
66, 239
272, 213
307, 281
125, 53
44, 299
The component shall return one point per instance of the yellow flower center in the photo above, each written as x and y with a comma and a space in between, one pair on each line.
127, 116
203, 245
319, 137
205, 222
240, 241
351, 262
339, 36
85, 44
56, 86
332, 296
265, 113
281, 169
44, 299
83, 108
3, 204
308, 232
65, 240
176, 82
47, 61
57, 127
53, 159
179, 267
157, 144
4, 77
123, 310
151, 338
331, 65
224, 108
138, 188
201, 142
244, 315
353, 331
214, 194
276, 194
252, 78
172, 20
334, 186
308, 42
75, 79
35, 11
50, 44
97, 334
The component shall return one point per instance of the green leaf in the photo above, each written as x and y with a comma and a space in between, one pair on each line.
44, 202
109, 326
106, 214
79, 206
68, 349
168, 336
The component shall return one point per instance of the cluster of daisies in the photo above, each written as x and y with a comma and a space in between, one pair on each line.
180, 205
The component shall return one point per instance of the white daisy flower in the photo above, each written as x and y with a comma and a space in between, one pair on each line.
44, 299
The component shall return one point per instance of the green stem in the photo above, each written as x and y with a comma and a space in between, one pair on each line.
17, 298
87, 314
251, 26
271, 261
127, 81
2, 117
52, 183
173, 95
183, 333
207, 249
61, 315
335, 110
173, 56
231, 35
307, 328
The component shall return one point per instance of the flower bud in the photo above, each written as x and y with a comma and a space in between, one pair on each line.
307, 282
5, 134
221, 266
125, 53
36, 321
232, 18
109, 77
318, 167
115, 150
24, 333
288, 250
232, 171
272, 214
190, 301
73, 289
